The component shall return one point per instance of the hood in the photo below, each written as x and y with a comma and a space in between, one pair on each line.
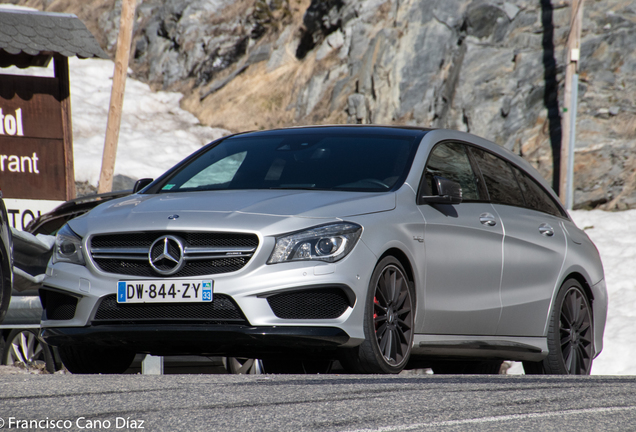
243, 210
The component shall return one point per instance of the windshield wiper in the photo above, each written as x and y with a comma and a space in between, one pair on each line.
313, 188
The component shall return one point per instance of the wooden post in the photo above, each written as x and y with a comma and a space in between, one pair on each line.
60, 67
573, 53
117, 95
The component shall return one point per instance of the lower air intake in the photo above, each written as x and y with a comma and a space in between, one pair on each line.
222, 310
58, 306
323, 303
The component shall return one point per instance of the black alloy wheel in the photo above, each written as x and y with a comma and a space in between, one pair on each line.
575, 332
388, 322
570, 336
392, 315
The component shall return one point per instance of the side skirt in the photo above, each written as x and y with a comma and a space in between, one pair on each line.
481, 347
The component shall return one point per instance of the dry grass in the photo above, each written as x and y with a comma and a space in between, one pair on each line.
253, 100
261, 99
625, 125
257, 98
238, 8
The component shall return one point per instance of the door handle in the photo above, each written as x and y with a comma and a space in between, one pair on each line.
487, 219
546, 230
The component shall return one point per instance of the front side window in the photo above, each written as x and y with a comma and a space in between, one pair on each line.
317, 160
500, 181
450, 160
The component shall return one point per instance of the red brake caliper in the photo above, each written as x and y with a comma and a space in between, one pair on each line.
375, 315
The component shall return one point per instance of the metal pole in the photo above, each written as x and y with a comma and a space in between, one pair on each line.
570, 174
122, 55
571, 68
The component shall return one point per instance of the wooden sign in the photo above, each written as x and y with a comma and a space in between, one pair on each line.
33, 156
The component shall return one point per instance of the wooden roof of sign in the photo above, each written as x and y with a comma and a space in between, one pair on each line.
31, 38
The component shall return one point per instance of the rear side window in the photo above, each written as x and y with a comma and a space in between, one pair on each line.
500, 181
450, 160
536, 197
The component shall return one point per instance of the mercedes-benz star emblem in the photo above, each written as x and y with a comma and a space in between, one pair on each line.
166, 255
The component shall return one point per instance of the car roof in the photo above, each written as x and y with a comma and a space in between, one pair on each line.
438, 134
353, 129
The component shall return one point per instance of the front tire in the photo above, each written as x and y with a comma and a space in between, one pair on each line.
388, 323
95, 360
570, 335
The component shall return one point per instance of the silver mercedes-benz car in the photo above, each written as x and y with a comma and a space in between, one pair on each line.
382, 247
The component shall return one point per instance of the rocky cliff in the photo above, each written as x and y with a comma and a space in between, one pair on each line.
494, 68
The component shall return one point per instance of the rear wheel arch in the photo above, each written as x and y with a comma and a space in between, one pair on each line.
587, 290
570, 335
584, 284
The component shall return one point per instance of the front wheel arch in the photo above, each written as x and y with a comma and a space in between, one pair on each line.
399, 255
389, 311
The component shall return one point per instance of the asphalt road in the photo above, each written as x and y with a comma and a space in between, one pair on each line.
317, 403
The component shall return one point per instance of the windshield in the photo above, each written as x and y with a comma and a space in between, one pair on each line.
318, 160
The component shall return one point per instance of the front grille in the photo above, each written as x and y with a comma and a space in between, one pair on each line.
324, 303
58, 306
191, 268
198, 239
203, 253
222, 310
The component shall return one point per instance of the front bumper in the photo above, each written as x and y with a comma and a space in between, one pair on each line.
599, 308
263, 331
214, 340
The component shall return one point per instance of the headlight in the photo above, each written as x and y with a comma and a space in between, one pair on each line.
328, 243
68, 247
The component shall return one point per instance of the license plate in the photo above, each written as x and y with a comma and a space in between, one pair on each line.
173, 291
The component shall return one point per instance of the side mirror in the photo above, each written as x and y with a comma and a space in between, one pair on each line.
141, 183
445, 192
